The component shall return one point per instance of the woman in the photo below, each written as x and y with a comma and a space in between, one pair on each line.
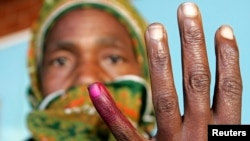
62, 70
76, 43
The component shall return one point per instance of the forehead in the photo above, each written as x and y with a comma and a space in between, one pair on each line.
89, 21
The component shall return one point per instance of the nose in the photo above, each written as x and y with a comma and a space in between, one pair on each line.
89, 73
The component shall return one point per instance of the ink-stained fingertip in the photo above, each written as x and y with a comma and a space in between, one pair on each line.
95, 89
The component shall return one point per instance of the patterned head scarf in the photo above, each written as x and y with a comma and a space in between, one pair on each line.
53, 9
50, 12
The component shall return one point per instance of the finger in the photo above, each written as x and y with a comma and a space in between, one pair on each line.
196, 74
228, 91
163, 90
119, 125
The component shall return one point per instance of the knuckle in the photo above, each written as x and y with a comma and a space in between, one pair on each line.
159, 57
160, 61
166, 104
193, 36
199, 82
232, 88
229, 55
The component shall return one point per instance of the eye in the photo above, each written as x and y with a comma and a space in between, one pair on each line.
60, 61
115, 59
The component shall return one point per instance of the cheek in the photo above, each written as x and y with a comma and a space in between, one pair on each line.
125, 69
53, 81
134, 69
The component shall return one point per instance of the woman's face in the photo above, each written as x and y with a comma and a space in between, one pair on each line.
85, 46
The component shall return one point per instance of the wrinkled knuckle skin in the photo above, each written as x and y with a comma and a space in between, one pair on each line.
193, 36
166, 104
232, 88
199, 82
160, 61
229, 56
159, 64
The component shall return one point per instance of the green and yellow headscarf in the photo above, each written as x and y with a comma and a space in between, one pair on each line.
69, 127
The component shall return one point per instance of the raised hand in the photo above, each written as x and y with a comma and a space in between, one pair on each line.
198, 113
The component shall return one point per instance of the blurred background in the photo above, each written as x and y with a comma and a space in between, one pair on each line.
16, 17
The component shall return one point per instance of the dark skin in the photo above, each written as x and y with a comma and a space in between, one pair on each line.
192, 126
81, 49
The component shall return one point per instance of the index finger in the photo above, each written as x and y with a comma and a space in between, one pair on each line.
163, 90
119, 125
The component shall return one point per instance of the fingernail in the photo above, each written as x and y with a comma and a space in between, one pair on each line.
227, 32
189, 9
95, 89
156, 32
